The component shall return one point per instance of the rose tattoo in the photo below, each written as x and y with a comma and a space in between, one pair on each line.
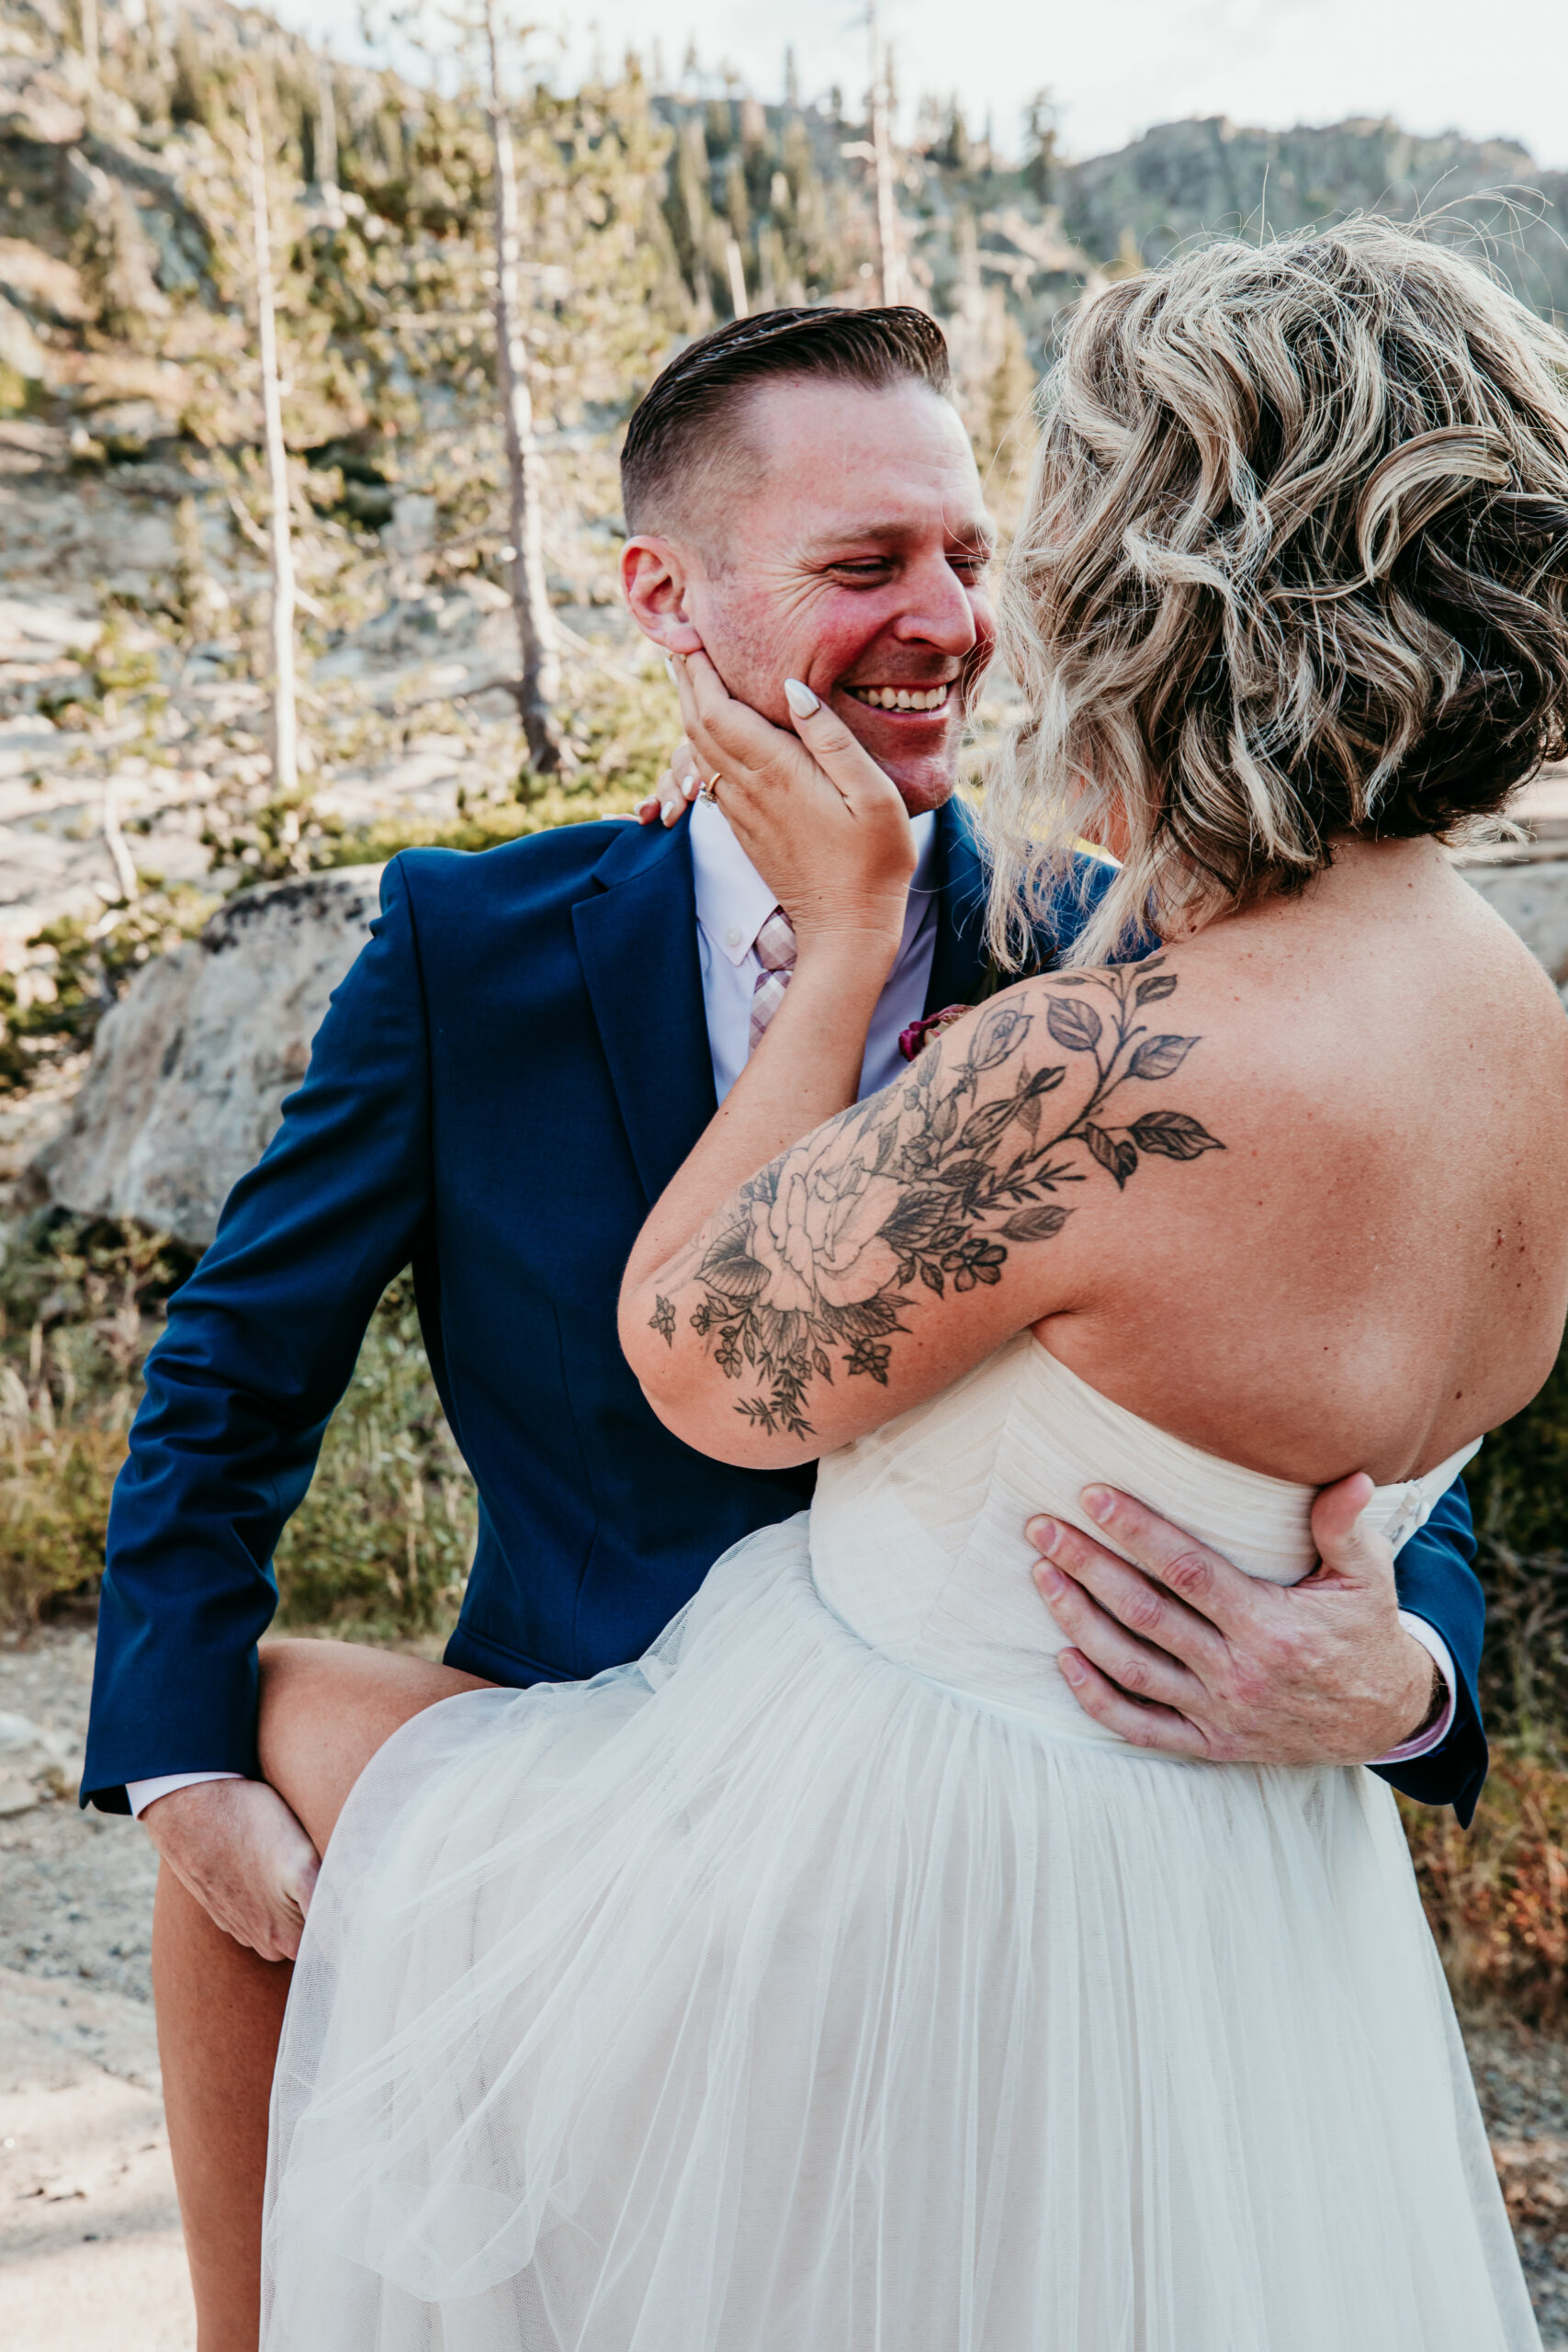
816, 1256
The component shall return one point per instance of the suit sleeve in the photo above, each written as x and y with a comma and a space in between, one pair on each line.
259, 1346
1437, 1580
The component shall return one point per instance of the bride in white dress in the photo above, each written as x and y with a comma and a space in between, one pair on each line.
828, 1981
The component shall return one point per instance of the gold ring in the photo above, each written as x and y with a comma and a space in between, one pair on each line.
708, 789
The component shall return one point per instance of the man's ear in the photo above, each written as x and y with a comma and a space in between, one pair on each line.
656, 575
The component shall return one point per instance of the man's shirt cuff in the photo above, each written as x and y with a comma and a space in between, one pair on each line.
140, 1794
1438, 1651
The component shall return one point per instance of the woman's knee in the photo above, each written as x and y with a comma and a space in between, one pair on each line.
326, 1707
311, 1699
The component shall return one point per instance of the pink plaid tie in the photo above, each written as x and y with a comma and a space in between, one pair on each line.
776, 951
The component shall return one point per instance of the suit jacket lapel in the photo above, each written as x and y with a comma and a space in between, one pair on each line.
637, 937
959, 964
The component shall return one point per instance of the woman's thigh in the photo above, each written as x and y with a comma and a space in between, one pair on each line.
326, 1707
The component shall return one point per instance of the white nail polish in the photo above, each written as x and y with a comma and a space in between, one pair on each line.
670, 669
801, 699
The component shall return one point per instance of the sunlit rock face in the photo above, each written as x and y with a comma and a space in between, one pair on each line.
189, 1071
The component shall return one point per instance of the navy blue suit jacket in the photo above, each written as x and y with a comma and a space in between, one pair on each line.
509, 1074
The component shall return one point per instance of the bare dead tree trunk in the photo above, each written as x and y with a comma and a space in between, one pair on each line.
285, 736
696, 226
326, 130
89, 21
890, 260
736, 267
114, 842
539, 685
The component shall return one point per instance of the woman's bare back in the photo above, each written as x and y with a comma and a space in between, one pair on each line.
1375, 1267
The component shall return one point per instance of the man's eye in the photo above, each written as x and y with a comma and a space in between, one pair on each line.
875, 568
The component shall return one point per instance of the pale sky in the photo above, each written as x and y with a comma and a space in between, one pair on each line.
1497, 70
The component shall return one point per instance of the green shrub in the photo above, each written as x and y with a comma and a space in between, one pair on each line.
81, 1300
1518, 1489
382, 1541
92, 967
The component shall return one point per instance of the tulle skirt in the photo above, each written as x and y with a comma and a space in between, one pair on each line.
765, 1997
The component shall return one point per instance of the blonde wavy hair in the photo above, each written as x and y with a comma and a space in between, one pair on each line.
1293, 566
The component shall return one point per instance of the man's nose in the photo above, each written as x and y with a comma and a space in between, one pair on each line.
939, 611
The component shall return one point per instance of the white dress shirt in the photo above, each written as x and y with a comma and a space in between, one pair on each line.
733, 903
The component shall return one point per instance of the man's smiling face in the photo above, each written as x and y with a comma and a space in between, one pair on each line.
849, 549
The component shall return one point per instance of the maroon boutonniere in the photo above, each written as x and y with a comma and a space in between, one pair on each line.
912, 1040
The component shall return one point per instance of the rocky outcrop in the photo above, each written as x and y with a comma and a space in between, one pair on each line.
1533, 900
36, 105
35, 1762
20, 349
189, 1071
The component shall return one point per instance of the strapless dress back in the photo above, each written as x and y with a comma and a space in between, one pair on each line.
827, 1981
917, 1532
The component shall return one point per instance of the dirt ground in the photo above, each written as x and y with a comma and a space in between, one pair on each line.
90, 2254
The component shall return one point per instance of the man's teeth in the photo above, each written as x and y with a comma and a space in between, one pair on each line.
901, 697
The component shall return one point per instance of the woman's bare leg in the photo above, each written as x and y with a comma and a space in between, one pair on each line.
326, 1707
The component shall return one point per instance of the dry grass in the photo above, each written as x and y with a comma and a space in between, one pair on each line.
1497, 1894
54, 1499
381, 1544
77, 1313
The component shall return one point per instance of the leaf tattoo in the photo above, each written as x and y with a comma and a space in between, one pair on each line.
1114, 1153
1035, 1224
1074, 1024
1160, 1056
1172, 1134
819, 1255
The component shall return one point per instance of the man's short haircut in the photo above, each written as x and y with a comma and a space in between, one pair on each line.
687, 421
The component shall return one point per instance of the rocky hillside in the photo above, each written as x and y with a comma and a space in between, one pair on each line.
135, 789
1195, 179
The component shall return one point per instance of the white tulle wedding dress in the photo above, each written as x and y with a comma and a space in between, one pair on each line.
827, 1981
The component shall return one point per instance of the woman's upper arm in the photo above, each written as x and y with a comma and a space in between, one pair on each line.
901, 1243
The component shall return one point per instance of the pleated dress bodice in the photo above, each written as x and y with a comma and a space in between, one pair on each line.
917, 1536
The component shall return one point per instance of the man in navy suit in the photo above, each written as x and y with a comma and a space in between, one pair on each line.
512, 1070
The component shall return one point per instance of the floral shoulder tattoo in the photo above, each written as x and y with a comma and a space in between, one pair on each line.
814, 1263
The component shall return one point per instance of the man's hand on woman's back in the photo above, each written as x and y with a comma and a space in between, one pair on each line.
235, 1846
1176, 1649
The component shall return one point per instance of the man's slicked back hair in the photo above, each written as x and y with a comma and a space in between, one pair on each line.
690, 410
